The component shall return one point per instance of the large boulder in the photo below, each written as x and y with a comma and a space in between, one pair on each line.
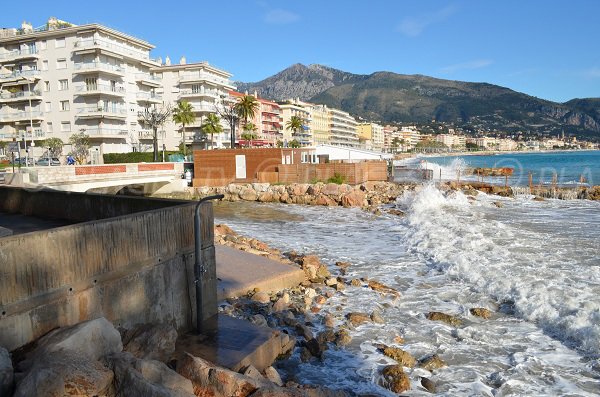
331, 189
357, 318
395, 379
382, 288
65, 373
401, 356
209, 380
432, 362
445, 318
6, 373
481, 312
151, 341
248, 194
91, 339
355, 198
147, 378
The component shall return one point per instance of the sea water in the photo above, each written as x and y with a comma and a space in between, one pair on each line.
568, 167
536, 265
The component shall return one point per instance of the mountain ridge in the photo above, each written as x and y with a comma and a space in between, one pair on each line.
390, 97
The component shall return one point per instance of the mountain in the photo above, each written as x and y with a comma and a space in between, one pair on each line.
396, 98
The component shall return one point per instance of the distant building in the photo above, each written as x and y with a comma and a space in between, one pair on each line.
295, 107
267, 119
343, 129
452, 140
319, 124
372, 135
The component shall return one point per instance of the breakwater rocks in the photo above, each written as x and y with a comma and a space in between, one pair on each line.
369, 194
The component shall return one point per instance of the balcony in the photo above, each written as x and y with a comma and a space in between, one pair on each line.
106, 132
27, 53
89, 45
21, 116
94, 112
149, 134
198, 77
148, 79
20, 96
100, 89
200, 93
99, 67
149, 97
20, 75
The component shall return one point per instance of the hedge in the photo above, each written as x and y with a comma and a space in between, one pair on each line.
134, 157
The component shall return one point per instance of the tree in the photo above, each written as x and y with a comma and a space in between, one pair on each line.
80, 143
212, 126
294, 144
246, 107
184, 114
155, 118
54, 145
228, 113
295, 124
249, 133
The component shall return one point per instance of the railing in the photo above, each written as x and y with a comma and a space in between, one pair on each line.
149, 134
205, 76
99, 65
100, 88
25, 115
148, 96
105, 132
20, 74
94, 110
147, 77
213, 93
121, 49
18, 53
21, 94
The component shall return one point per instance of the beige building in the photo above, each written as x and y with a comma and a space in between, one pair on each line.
61, 79
452, 140
319, 124
295, 107
205, 88
371, 136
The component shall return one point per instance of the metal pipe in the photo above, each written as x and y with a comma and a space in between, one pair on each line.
199, 268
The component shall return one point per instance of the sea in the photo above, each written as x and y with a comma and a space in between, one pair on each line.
535, 264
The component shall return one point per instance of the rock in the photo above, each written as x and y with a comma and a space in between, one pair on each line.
499, 204
91, 339
310, 264
280, 305
261, 297
65, 373
342, 338
305, 355
259, 319
331, 281
446, 318
339, 286
403, 357
295, 391
139, 378
377, 318
428, 385
432, 362
272, 375
6, 373
357, 318
304, 331
209, 380
380, 287
343, 265
248, 194
355, 198
355, 282
396, 212
331, 189
481, 312
328, 321
314, 347
327, 336
538, 198
395, 379
222, 230
151, 341
267, 197
319, 300
399, 340
251, 372
310, 292
325, 201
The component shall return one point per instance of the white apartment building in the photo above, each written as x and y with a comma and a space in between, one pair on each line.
452, 140
344, 129
62, 79
205, 88
295, 107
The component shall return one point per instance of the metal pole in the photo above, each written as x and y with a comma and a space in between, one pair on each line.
199, 268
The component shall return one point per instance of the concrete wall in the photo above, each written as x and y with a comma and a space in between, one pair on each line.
131, 269
353, 173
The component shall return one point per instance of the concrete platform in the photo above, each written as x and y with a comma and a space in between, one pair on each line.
20, 224
239, 272
235, 344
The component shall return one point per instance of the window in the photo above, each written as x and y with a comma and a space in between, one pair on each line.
63, 85
49, 127
59, 43
61, 63
44, 65
65, 126
91, 84
43, 45
48, 106
64, 105
46, 86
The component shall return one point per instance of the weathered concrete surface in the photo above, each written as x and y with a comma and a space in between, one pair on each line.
13, 224
235, 344
240, 272
6, 372
5, 231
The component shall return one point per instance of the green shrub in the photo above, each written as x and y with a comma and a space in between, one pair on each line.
337, 178
134, 157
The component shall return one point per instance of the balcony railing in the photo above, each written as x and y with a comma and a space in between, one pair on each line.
190, 76
27, 52
91, 66
19, 116
149, 96
149, 134
19, 95
211, 93
101, 89
101, 132
20, 74
117, 48
99, 111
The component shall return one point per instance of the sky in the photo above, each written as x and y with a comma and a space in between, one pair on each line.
548, 49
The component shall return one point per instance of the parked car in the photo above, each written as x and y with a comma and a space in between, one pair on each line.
22, 161
44, 161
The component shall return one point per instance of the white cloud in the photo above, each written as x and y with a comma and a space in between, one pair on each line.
475, 64
414, 26
280, 17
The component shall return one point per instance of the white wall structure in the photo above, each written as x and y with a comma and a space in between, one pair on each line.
350, 154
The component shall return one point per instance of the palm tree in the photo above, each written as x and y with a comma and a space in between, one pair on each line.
212, 125
184, 114
249, 133
294, 123
246, 107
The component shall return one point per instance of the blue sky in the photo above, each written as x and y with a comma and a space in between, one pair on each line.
549, 49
